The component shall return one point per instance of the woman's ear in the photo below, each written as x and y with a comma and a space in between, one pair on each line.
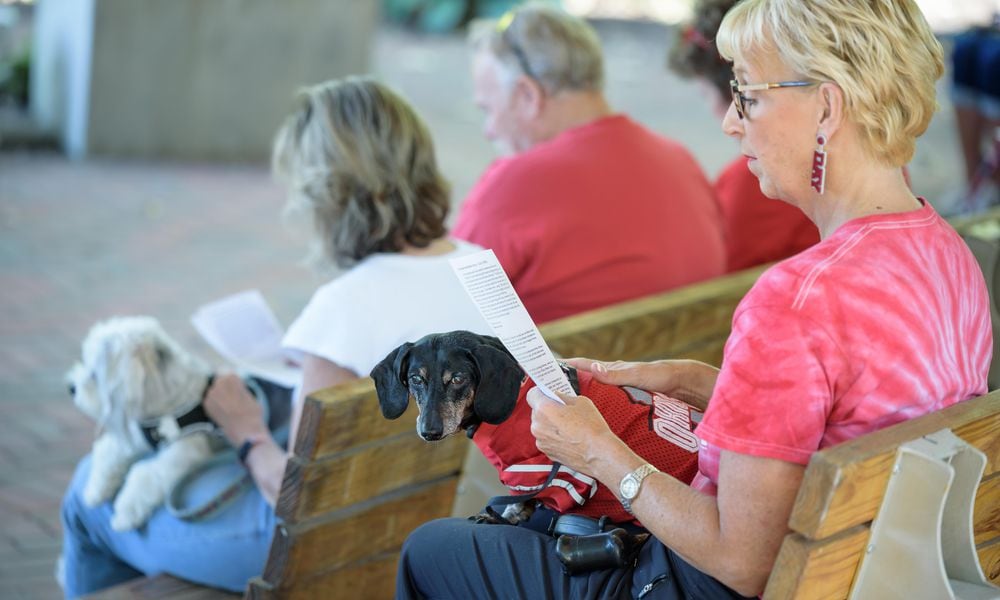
832, 108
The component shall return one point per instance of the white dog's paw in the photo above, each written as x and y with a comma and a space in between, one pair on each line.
127, 520
92, 496
139, 498
60, 572
95, 493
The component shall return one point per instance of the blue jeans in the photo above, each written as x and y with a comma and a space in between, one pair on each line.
223, 551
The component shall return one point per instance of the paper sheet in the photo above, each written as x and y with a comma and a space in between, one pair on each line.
491, 291
243, 329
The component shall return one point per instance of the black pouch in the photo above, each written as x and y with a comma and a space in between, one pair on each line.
606, 550
578, 525
586, 544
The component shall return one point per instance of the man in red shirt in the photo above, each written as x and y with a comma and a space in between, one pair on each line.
589, 208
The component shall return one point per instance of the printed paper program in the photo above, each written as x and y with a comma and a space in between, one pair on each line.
491, 291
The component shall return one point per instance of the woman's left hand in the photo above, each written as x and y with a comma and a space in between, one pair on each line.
570, 433
235, 410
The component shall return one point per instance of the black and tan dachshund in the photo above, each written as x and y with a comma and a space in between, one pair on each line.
465, 381
457, 379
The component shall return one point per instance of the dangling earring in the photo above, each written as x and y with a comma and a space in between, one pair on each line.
819, 165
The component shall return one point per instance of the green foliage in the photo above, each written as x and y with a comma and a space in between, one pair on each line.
14, 73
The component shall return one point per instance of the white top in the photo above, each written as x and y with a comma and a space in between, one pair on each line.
385, 300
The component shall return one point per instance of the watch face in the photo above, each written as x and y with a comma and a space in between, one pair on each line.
630, 487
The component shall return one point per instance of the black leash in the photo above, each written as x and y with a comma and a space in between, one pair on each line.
238, 483
195, 419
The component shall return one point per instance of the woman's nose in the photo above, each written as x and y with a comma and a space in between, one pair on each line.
732, 124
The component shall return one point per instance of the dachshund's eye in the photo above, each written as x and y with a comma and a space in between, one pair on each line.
457, 379
416, 380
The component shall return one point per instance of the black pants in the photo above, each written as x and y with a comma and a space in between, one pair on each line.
456, 558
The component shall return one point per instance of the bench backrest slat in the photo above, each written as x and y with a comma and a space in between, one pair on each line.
690, 322
318, 487
843, 485
986, 515
344, 417
321, 549
817, 569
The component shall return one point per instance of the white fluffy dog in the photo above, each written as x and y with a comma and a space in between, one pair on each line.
137, 382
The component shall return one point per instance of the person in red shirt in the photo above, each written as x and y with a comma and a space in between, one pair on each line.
758, 229
587, 208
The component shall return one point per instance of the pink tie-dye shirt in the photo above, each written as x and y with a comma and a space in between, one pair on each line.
886, 320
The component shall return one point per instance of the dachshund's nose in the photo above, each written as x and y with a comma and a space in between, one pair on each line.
432, 436
72, 389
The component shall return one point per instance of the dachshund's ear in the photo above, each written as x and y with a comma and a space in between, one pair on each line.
390, 378
499, 383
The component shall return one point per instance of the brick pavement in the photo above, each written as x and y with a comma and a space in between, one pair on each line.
83, 241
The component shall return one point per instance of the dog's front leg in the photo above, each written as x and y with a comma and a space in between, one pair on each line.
110, 459
148, 482
519, 512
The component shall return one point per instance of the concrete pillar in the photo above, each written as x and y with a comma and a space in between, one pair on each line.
190, 79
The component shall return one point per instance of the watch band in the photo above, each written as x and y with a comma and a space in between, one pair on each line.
638, 476
245, 448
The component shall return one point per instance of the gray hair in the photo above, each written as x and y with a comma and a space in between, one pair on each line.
556, 49
360, 162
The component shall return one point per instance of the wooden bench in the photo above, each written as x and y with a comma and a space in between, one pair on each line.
839, 504
358, 484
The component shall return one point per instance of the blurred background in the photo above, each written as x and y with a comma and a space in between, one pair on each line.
134, 137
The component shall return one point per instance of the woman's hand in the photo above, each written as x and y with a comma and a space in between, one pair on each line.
235, 410
573, 434
241, 418
688, 380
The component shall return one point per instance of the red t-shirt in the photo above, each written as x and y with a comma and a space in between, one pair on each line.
657, 428
602, 213
886, 320
758, 229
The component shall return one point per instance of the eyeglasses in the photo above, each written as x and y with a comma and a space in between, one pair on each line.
742, 102
503, 25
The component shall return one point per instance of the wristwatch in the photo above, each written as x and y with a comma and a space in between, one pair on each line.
630, 484
244, 450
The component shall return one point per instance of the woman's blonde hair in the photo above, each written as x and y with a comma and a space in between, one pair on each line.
881, 53
360, 162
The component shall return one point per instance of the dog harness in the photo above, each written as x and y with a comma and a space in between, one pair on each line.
658, 428
171, 427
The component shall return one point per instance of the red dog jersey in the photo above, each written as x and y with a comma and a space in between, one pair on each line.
656, 427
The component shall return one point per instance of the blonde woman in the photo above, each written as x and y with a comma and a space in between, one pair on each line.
883, 320
360, 162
